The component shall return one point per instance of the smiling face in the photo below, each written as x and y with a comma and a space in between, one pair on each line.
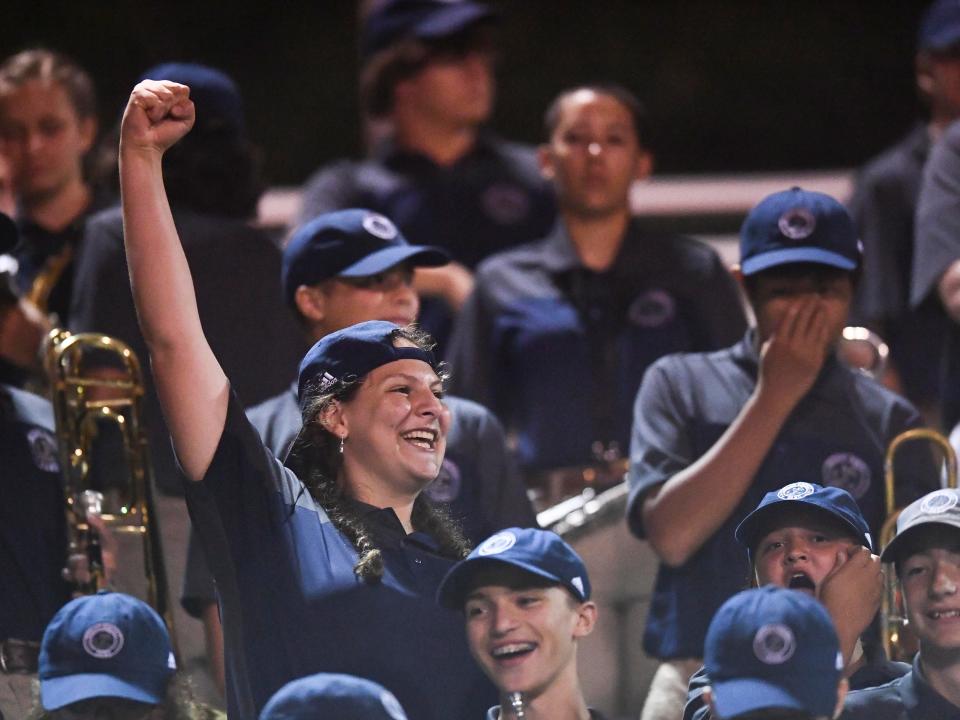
800, 549
396, 428
594, 155
523, 632
930, 578
43, 138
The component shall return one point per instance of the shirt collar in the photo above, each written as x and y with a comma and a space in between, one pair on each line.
915, 691
386, 527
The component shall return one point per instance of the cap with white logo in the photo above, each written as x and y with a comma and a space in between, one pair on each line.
941, 507
538, 552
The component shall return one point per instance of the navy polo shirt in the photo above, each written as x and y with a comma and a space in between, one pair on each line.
490, 199
557, 351
907, 698
33, 537
291, 604
837, 435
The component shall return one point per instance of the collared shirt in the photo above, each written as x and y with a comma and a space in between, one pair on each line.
836, 435
292, 605
557, 351
490, 199
33, 536
909, 697
883, 206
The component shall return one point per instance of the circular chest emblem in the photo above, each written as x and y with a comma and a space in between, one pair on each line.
797, 223
496, 544
795, 491
446, 488
103, 640
774, 644
652, 309
505, 204
392, 706
938, 502
379, 226
43, 449
847, 472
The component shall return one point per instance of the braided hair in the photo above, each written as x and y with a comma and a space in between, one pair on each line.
315, 458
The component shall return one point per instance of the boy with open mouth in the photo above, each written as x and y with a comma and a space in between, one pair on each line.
526, 598
814, 539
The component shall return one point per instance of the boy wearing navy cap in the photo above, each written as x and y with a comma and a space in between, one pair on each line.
815, 540
714, 432
926, 555
773, 654
526, 597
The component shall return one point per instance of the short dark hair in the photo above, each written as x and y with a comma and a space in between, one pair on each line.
638, 113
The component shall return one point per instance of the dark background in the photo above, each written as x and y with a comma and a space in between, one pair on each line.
731, 85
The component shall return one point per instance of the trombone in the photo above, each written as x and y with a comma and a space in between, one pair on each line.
893, 620
96, 386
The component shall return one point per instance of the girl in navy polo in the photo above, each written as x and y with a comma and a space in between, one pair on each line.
332, 568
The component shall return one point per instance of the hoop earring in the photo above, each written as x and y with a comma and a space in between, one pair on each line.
343, 439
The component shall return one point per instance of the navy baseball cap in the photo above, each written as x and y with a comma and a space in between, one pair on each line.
538, 552
941, 507
773, 648
349, 354
214, 93
796, 226
397, 20
832, 502
328, 695
348, 243
940, 27
105, 645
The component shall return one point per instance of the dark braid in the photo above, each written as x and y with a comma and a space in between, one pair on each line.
315, 458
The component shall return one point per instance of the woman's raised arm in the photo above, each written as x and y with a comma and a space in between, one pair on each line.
192, 387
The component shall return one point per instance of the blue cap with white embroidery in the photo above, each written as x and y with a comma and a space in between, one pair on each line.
538, 552
941, 507
329, 695
105, 645
833, 502
796, 226
773, 648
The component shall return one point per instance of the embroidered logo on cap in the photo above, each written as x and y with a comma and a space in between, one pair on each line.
392, 706
795, 491
938, 502
652, 309
577, 582
379, 226
446, 487
774, 644
43, 448
103, 640
847, 472
797, 223
496, 544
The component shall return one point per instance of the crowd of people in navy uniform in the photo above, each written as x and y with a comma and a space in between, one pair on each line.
362, 544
